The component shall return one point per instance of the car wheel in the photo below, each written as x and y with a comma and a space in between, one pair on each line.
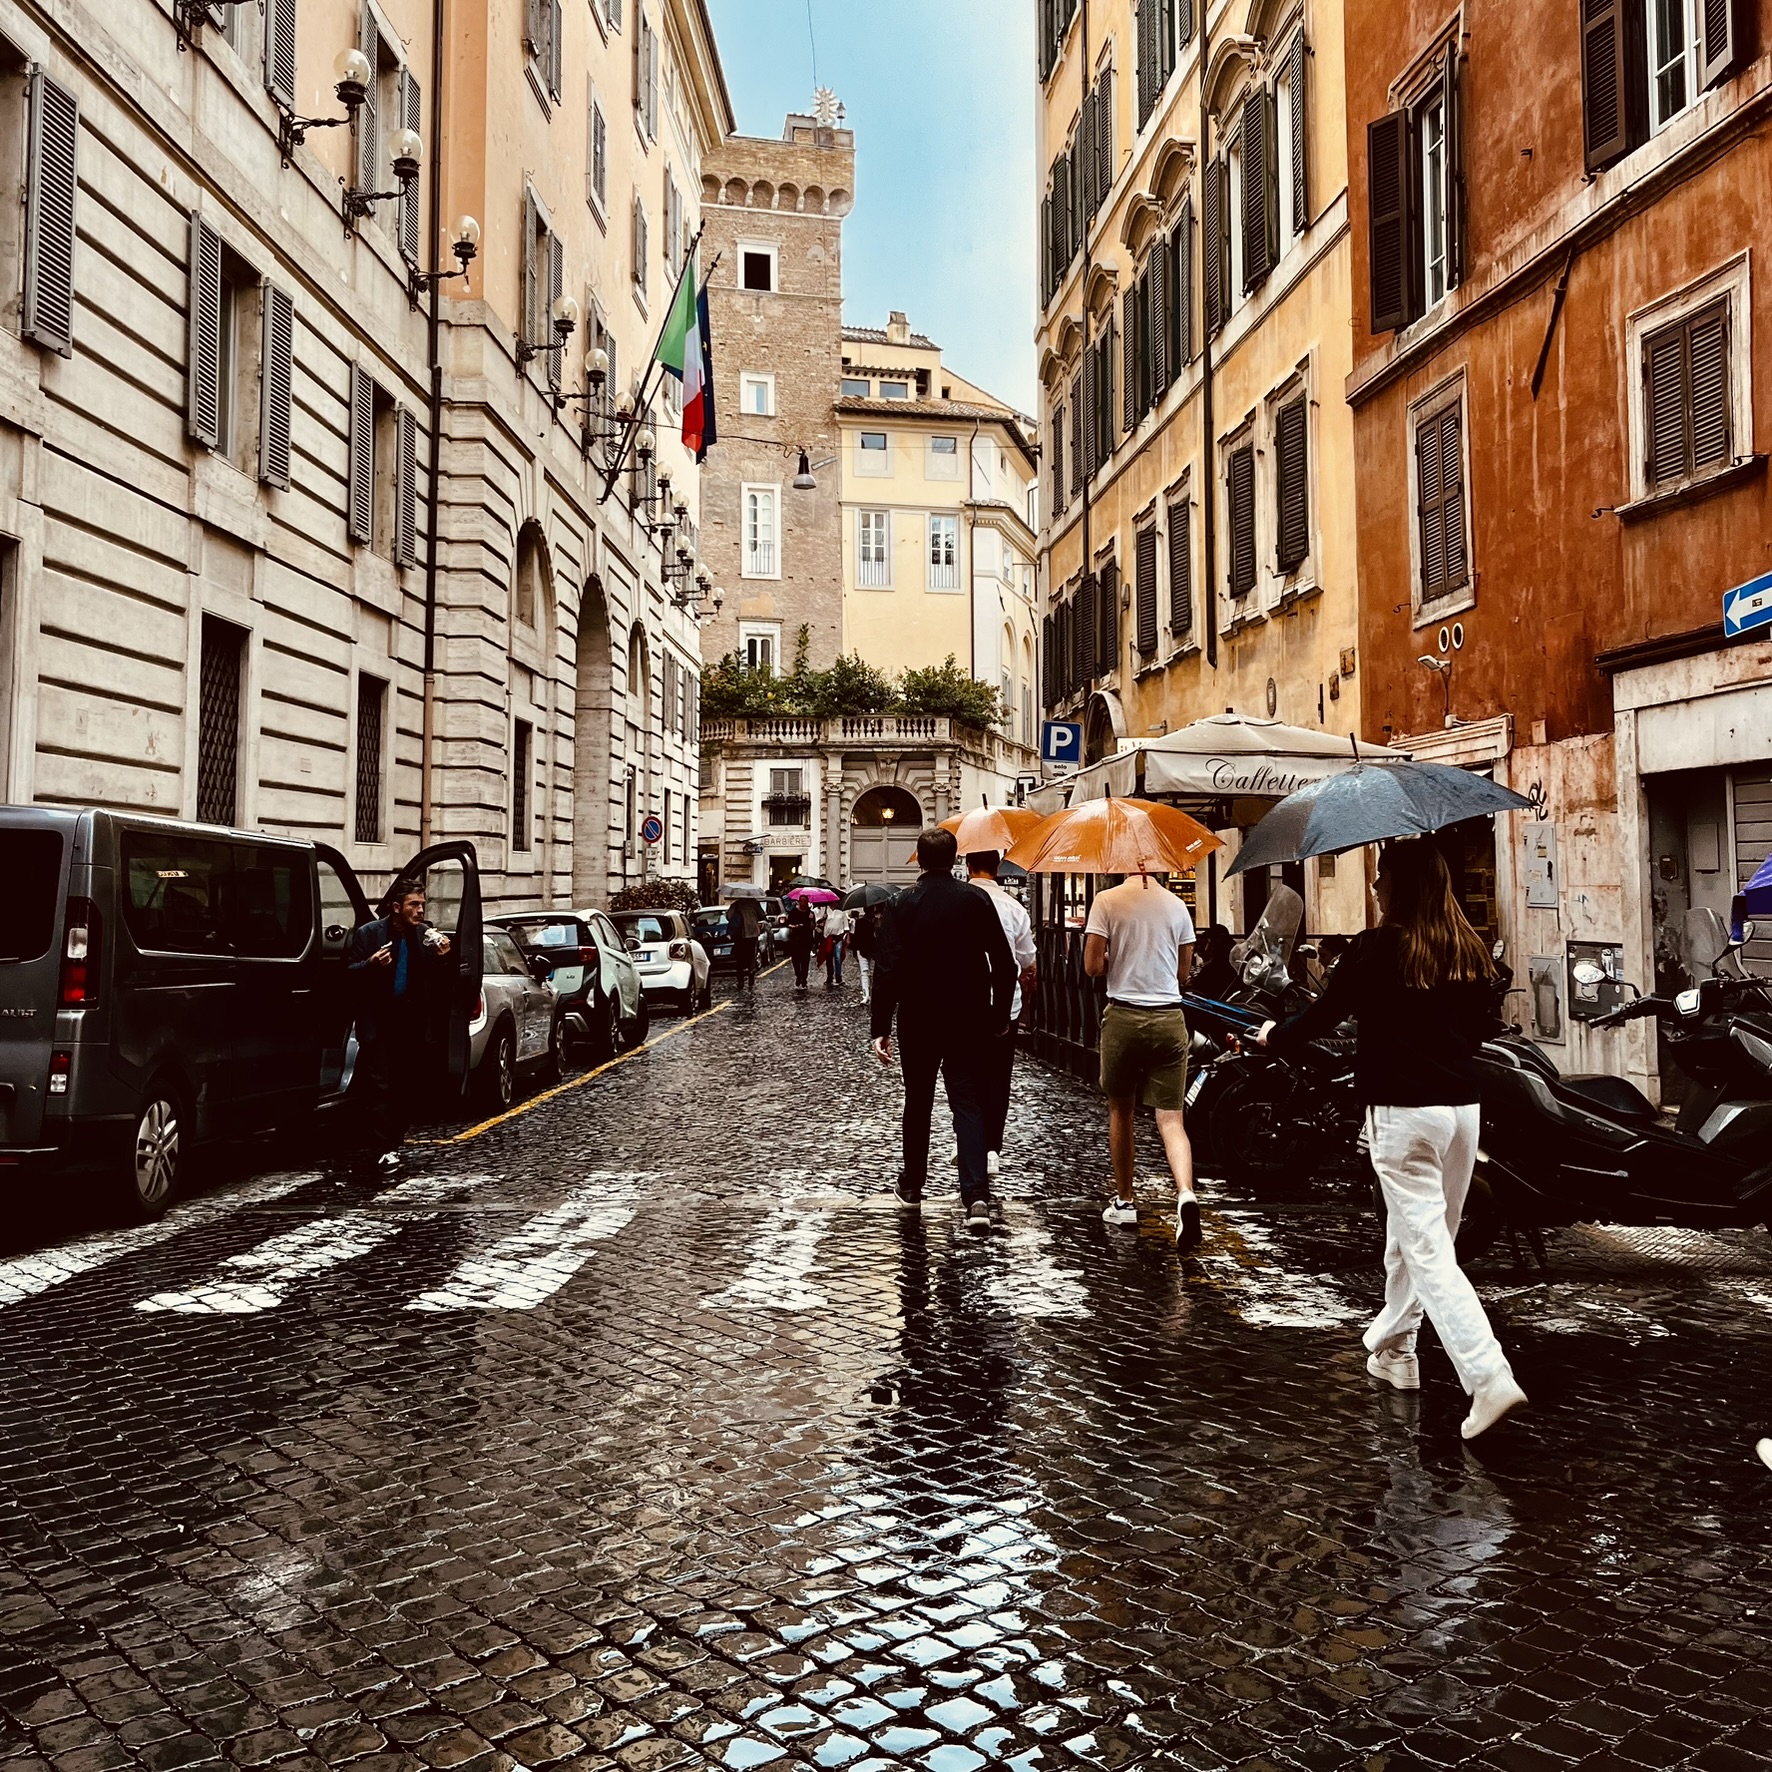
642, 1024
152, 1176
606, 1029
498, 1070
553, 1066
705, 1001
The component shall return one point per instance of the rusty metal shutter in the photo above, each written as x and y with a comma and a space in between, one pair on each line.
1181, 568
1181, 294
51, 187
406, 488
1387, 219
203, 336
1708, 357
1107, 615
1725, 27
1292, 482
276, 385
1144, 551
1240, 497
280, 52
360, 453
1215, 249
368, 126
1300, 62
1261, 207
1162, 320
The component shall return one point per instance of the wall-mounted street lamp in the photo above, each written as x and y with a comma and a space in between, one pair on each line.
190, 16
564, 315
408, 150
464, 242
353, 75
1442, 668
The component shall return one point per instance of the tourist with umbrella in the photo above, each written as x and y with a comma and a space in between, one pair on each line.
1140, 938
1421, 988
867, 903
802, 928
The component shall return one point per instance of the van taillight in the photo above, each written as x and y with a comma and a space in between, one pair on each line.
79, 985
60, 1063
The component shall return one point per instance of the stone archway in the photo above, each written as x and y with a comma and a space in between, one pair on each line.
1104, 725
593, 731
883, 826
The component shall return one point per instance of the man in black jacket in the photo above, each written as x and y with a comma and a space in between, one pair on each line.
945, 970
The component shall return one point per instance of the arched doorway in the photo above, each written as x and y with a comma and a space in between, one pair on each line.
639, 773
883, 835
1101, 729
593, 782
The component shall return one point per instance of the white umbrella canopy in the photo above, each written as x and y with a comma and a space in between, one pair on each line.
1236, 754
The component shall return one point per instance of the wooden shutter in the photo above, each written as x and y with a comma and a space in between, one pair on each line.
1147, 59
1088, 630
1215, 249
1057, 459
1104, 133
1079, 429
360, 452
1605, 76
406, 488
1723, 36
533, 270
1145, 588
412, 112
276, 385
1184, 21
1061, 218
535, 27
280, 52
368, 126
651, 81
1107, 612
1292, 486
1439, 469
1708, 357
1181, 568
1131, 377
1046, 253
51, 187
1261, 207
639, 62
556, 283
1301, 211
1161, 325
1664, 405
1387, 219
1109, 437
1240, 496
1088, 186
1452, 483
556, 53
1181, 294
1451, 87
203, 336
1047, 694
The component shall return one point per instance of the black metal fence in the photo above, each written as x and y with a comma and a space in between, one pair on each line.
1066, 1018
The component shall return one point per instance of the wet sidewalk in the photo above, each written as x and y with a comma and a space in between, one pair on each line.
645, 1430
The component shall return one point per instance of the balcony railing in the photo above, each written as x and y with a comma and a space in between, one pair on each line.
886, 730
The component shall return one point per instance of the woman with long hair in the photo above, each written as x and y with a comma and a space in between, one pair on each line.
1421, 988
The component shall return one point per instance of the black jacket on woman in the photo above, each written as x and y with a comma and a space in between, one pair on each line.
1415, 1048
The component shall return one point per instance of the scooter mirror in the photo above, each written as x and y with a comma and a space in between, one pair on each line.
1747, 932
1586, 972
1499, 949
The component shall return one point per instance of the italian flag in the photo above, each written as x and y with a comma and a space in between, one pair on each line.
685, 350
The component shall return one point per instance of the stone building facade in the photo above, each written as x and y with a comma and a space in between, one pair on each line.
294, 540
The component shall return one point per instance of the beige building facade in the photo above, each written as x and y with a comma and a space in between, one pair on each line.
297, 536
1197, 549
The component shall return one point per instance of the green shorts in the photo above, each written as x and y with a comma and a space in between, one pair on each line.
1144, 1055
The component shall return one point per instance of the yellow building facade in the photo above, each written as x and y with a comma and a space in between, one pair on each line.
1197, 548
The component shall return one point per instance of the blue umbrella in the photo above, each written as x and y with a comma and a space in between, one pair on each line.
1369, 804
1757, 898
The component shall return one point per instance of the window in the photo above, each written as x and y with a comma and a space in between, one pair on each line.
52, 135
1442, 556
1181, 570
639, 250
1292, 511
543, 271
759, 644
787, 804
873, 457
856, 387
1255, 163
1686, 397
895, 390
1635, 82
224, 345
542, 38
761, 504
1672, 42
943, 462
1415, 202
873, 550
1239, 487
372, 699
944, 553
218, 721
1157, 43
394, 479
645, 76
757, 266
675, 240
756, 395
522, 740
612, 14
599, 157
1144, 590
1431, 135
177, 892
1289, 112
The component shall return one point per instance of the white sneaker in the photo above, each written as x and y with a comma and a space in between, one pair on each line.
388, 1162
1402, 1372
1489, 1403
993, 1164
1123, 1212
1764, 1448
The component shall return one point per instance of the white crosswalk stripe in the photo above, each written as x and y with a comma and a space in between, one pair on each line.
783, 1254
533, 1263
25, 1276
1244, 1262
258, 1279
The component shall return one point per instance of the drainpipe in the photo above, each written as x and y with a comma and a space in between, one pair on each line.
1088, 264
971, 557
1209, 477
433, 500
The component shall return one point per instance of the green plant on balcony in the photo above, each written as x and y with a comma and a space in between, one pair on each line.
945, 689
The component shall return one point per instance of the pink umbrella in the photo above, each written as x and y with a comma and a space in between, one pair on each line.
814, 895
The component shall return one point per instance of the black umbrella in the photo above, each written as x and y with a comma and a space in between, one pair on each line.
858, 898
1369, 804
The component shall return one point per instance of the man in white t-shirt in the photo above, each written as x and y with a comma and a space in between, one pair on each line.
997, 1065
1141, 939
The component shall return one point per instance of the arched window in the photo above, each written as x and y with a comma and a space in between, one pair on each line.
887, 805
529, 589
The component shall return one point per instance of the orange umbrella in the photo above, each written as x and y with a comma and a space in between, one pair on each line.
1115, 837
992, 827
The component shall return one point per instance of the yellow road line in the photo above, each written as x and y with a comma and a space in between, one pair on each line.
579, 1082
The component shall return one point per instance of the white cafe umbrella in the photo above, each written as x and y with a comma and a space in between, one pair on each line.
1233, 755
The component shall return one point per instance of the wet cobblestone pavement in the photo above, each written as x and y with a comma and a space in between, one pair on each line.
645, 1431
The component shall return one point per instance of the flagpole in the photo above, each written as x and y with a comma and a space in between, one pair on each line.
614, 473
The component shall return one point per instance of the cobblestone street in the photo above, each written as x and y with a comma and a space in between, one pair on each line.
645, 1430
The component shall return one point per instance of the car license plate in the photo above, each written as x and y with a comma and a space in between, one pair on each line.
1194, 1088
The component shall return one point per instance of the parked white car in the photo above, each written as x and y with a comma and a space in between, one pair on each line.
517, 1023
673, 965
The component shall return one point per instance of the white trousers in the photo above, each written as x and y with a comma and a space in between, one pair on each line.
1424, 1157
867, 977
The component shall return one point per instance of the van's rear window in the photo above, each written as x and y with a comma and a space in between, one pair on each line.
31, 866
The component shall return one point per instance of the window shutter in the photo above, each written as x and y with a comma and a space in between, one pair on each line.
1184, 21
1723, 40
51, 186
406, 483
1089, 185
276, 386
1109, 436
535, 26
1162, 325
1387, 220
651, 82
532, 271
639, 62
280, 52
555, 53
1088, 631
1145, 566
1147, 38
556, 283
368, 127
203, 336
1708, 355
1430, 494
1301, 213
1260, 188
1181, 568
1240, 476
1107, 611
1452, 493
1214, 248
1181, 296
412, 113
1130, 376
1079, 430
1452, 90
1292, 476
1046, 249
1104, 133
360, 450
1091, 413
1664, 406
1061, 217
1605, 124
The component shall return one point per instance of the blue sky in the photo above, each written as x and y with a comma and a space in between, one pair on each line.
940, 94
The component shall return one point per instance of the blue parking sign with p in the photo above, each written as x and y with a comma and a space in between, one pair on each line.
1061, 744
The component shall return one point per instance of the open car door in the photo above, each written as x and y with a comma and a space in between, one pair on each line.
344, 909
450, 873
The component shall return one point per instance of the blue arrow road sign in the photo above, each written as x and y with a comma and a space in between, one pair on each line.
1748, 605
1061, 743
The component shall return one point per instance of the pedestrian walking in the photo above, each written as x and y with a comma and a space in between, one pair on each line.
946, 978
744, 919
1421, 988
998, 1058
802, 939
835, 928
396, 965
866, 942
1140, 938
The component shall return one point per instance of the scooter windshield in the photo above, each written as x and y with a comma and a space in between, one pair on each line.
1263, 957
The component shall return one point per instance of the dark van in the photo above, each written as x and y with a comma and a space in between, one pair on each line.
165, 983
